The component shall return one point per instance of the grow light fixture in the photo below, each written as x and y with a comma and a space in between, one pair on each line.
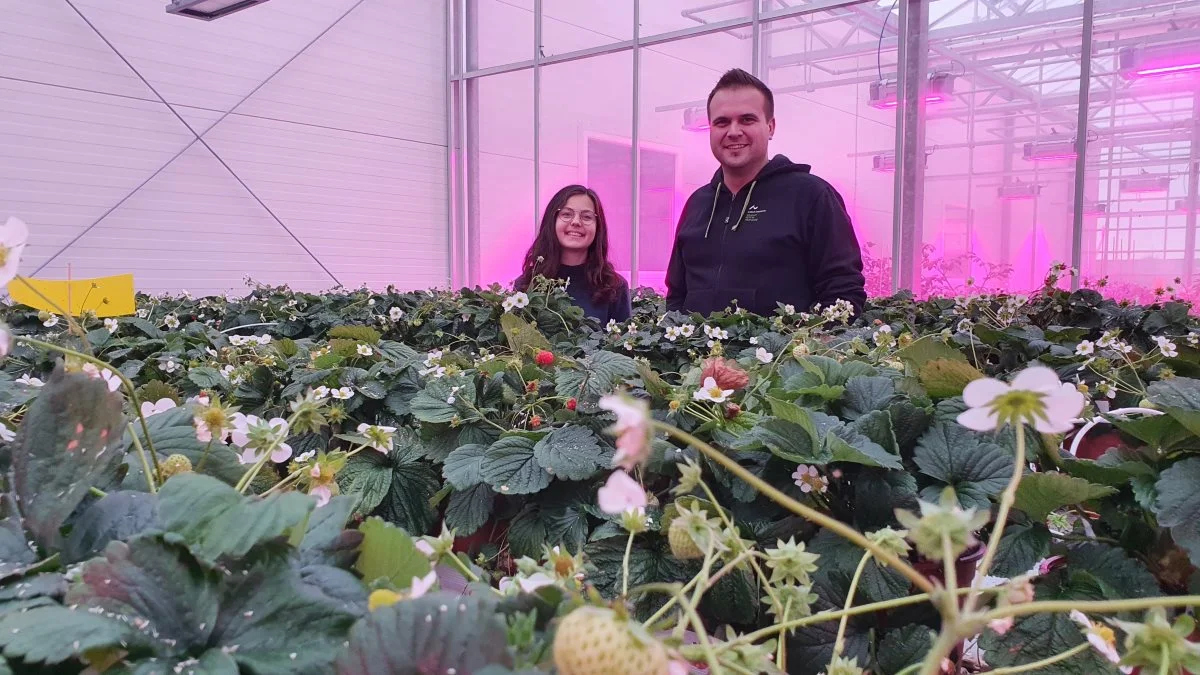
885, 162
1156, 61
1019, 190
1050, 149
1145, 183
695, 118
885, 94
1091, 208
208, 10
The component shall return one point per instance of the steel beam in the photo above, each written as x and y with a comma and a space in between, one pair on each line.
636, 192
910, 130
471, 250
1193, 194
537, 113
1081, 141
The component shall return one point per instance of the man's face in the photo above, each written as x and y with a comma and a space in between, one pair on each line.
739, 128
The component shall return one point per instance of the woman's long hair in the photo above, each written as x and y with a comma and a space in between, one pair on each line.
545, 255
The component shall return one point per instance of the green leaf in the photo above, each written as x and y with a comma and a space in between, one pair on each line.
1041, 636
432, 403
206, 377
510, 467
117, 516
1118, 575
256, 389
904, 647
387, 552
68, 442
955, 456
407, 503
929, 348
1178, 392
647, 564
810, 649
840, 558
15, 554
372, 389
527, 532
943, 378
367, 476
280, 624
417, 636
1179, 505
734, 599
217, 521
570, 453
522, 336
53, 634
469, 509
848, 445
464, 467
787, 440
160, 582
877, 426
1040, 493
1156, 431
327, 541
877, 495
172, 432
593, 376
865, 394
1021, 547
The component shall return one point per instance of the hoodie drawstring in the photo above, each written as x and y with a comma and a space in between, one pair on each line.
745, 206
713, 213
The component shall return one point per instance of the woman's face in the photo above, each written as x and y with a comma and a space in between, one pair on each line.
576, 223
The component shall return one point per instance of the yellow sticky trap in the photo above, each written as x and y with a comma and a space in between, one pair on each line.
105, 296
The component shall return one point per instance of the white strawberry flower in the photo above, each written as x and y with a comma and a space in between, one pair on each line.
395, 314
51, 322
342, 393
612, 326
110, 378
111, 325
13, 237
1165, 346
621, 493
161, 405
1036, 396
6, 434
29, 381
753, 341
809, 479
789, 310
515, 301
687, 330
672, 333
171, 321
320, 392
711, 392
365, 350
1100, 637
1085, 348
763, 355
378, 437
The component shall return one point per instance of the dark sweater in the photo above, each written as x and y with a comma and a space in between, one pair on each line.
580, 291
784, 238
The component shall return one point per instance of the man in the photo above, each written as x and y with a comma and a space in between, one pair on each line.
762, 232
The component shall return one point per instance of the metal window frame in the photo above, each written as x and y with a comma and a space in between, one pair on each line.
912, 41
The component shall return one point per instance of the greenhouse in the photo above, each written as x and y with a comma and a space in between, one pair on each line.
580, 337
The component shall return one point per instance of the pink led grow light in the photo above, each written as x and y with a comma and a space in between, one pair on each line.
1135, 62
892, 103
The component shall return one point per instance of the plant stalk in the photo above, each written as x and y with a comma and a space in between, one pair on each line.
840, 642
838, 527
625, 566
151, 478
1042, 663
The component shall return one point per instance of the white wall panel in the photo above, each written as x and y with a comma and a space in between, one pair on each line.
323, 152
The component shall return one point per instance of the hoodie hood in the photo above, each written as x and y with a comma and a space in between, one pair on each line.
777, 166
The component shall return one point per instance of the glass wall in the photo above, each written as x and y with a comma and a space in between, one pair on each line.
996, 191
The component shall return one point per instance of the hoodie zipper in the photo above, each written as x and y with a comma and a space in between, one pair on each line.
725, 231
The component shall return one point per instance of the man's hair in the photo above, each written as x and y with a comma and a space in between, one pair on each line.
737, 79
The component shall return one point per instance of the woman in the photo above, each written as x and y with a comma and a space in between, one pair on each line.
572, 244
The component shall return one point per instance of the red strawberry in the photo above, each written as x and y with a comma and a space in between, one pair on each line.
571, 404
545, 358
535, 421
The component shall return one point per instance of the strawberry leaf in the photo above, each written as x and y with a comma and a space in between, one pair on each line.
68, 442
52, 634
217, 521
436, 633
1178, 505
116, 516
570, 453
954, 455
1040, 493
387, 552
510, 467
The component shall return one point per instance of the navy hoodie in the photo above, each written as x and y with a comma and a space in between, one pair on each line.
784, 238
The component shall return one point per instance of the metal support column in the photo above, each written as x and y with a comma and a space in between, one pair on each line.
636, 198
451, 173
910, 150
1085, 84
1193, 192
756, 56
470, 107
537, 113
1006, 206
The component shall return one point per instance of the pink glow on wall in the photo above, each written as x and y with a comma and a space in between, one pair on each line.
1032, 261
889, 103
1047, 158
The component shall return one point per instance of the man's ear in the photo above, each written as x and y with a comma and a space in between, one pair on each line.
771, 128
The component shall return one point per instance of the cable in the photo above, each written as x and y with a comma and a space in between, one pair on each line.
879, 47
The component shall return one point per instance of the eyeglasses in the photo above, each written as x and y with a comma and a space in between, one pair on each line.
585, 217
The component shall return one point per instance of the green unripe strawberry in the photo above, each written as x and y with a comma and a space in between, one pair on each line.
595, 641
682, 544
175, 465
